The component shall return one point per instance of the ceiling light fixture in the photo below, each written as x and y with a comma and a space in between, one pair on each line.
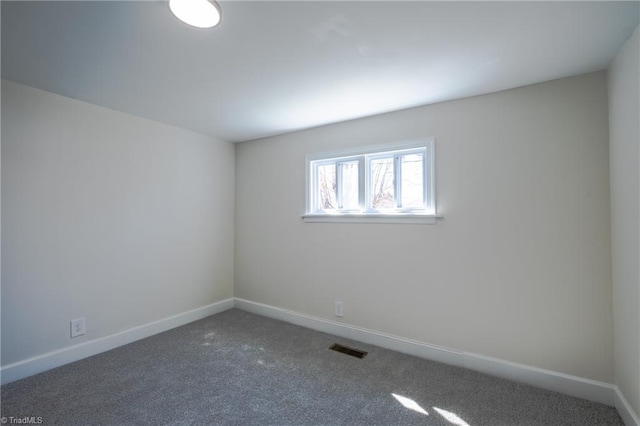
197, 13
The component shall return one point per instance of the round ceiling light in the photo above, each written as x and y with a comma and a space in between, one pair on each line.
197, 13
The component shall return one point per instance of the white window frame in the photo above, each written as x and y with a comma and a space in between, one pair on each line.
364, 156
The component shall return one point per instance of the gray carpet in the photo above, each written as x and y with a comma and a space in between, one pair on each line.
236, 368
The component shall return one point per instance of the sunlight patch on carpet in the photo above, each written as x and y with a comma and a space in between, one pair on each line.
452, 418
410, 404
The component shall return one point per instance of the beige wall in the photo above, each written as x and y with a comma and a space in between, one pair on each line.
125, 221
519, 269
106, 216
624, 122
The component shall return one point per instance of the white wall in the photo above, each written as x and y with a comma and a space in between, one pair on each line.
624, 122
106, 216
519, 269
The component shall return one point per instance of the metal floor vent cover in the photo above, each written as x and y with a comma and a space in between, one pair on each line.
347, 350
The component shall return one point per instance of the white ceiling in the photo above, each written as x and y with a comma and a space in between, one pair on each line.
272, 66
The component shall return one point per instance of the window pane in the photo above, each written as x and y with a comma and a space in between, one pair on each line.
327, 187
412, 181
382, 183
349, 185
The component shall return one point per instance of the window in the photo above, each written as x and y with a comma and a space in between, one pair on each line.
395, 183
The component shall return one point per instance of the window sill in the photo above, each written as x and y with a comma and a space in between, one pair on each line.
421, 219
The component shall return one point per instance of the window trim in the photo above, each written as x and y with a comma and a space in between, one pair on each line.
428, 215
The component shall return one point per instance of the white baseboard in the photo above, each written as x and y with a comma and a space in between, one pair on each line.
38, 364
567, 384
546, 379
624, 408
570, 385
411, 347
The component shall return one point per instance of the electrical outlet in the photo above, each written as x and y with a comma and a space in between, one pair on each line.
77, 327
338, 309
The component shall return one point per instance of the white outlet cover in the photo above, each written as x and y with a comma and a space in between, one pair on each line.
77, 327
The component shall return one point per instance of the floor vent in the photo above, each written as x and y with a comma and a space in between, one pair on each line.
347, 350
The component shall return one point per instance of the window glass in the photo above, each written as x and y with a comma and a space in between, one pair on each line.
382, 191
349, 184
412, 175
327, 186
